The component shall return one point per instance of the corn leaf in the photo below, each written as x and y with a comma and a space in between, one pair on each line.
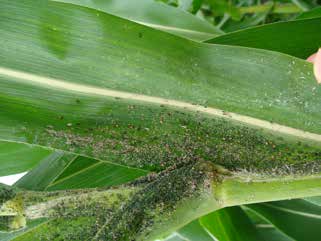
290, 217
156, 15
286, 37
26, 157
68, 171
102, 90
230, 224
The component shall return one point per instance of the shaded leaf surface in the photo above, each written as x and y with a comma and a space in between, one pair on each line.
194, 231
265, 228
291, 216
230, 224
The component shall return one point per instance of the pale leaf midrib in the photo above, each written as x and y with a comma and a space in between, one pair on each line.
19, 76
74, 174
305, 214
62, 171
210, 234
174, 29
267, 220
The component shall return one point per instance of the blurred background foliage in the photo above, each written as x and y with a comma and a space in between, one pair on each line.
233, 15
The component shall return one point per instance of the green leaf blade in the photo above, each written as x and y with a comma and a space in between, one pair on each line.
230, 224
25, 157
91, 109
63, 171
112, 94
291, 216
155, 15
286, 37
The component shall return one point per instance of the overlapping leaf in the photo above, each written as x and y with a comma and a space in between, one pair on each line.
286, 37
230, 224
156, 15
290, 217
68, 171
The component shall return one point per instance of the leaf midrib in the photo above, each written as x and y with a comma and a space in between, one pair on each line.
305, 214
19, 76
71, 175
171, 28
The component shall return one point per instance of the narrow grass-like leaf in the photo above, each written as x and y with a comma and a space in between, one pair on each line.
304, 5
230, 224
266, 228
291, 216
286, 37
68, 171
194, 231
231, 25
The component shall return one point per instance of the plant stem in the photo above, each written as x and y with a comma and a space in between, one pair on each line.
238, 191
234, 191
160, 206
